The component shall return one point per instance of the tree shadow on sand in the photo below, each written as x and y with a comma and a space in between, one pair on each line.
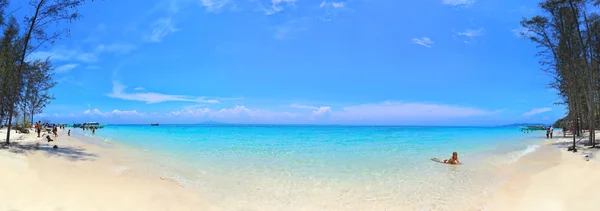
67, 152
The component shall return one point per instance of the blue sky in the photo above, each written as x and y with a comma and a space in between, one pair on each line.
428, 62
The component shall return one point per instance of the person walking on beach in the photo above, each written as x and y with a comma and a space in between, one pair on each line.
69, 133
548, 132
55, 131
37, 128
551, 131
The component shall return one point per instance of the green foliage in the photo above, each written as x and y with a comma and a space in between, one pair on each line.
25, 85
26, 123
568, 36
562, 123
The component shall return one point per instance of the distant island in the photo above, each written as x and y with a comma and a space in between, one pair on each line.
521, 124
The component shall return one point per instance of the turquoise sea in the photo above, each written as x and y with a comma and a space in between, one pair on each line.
296, 167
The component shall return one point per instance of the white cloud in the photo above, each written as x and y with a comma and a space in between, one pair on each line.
376, 112
236, 113
92, 67
322, 110
536, 111
115, 112
276, 6
214, 5
338, 4
161, 28
471, 32
331, 8
65, 68
87, 57
44, 115
62, 54
470, 35
464, 3
424, 41
116, 48
411, 111
332, 4
317, 111
139, 88
388, 112
95, 111
118, 92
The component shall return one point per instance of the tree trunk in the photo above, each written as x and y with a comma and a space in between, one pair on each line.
22, 64
578, 127
573, 129
24, 117
10, 115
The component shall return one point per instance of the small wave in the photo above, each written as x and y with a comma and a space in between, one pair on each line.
182, 182
515, 156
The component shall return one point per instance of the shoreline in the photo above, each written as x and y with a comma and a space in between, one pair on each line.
551, 178
135, 175
83, 176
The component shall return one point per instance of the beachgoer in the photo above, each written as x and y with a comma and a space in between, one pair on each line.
93, 130
55, 131
564, 132
69, 133
551, 131
548, 132
37, 128
453, 159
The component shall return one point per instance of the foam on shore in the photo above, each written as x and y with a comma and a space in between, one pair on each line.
515, 156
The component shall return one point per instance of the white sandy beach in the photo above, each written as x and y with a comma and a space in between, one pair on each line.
80, 176
551, 179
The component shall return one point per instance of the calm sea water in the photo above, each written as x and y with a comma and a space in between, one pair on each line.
263, 167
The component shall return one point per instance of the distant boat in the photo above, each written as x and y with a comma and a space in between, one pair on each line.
533, 127
154, 124
92, 124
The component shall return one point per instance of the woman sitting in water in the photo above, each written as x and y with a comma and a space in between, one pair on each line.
453, 159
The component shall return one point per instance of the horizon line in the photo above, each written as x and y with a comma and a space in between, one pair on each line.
306, 124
